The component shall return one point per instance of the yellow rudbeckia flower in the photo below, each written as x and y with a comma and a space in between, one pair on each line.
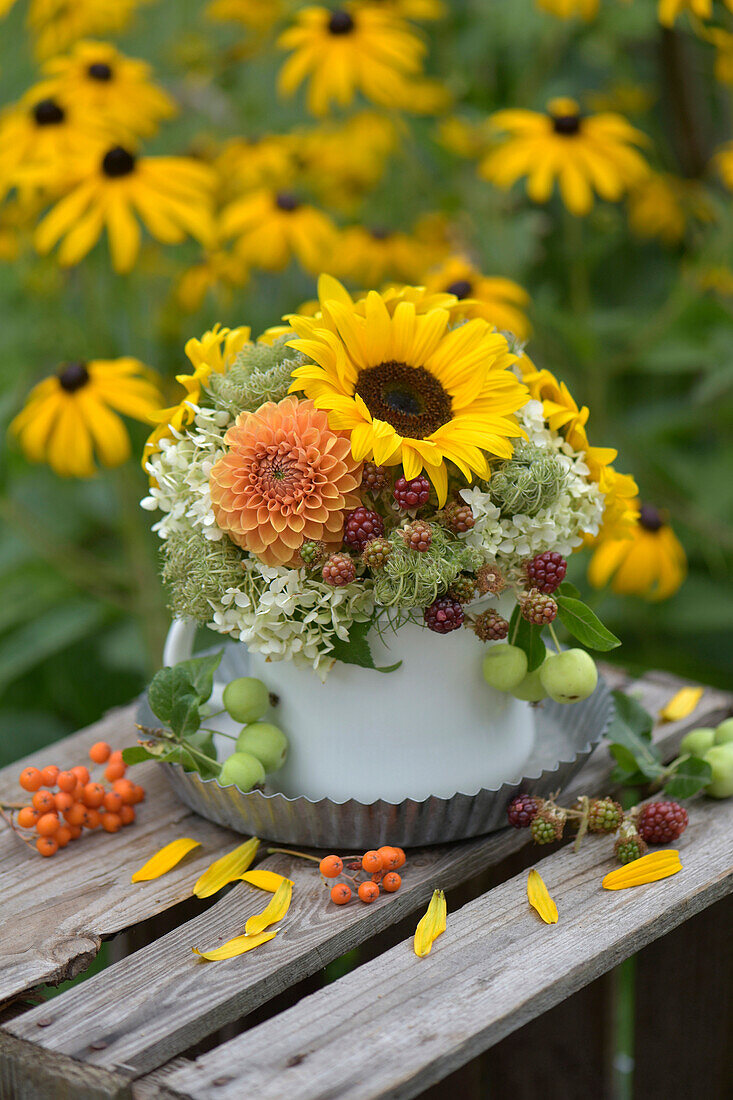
369, 256
250, 164
668, 10
723, 160
57, 24
661, 205
498, 300
649, 562
356, 48
73, 414
340, 160
406, 385
257, 15
273, 226
585, 154
568, 9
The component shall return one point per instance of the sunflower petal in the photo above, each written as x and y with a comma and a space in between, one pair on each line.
431, 926
165, 859
681, 704
226, 869
540, 899
275, 910
264, 880
232, 948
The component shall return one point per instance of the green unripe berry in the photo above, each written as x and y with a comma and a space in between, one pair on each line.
505, 666
724, 732
570, 676
243, 769
530, 689
698, 741
265, 741
246, 699
720, 759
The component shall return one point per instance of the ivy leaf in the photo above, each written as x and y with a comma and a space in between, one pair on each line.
689, 777
166, 687
200, 673
528, 637
185, 717
584, 624
356, 650
631, 729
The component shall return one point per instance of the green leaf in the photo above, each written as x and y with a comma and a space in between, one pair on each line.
204, 742
185, 717
622, 777
690, 776
630, 711
624, 757
356, 650
168, 686
528, 637
200, 673
631, 729
584, 624
136, 754
568, 589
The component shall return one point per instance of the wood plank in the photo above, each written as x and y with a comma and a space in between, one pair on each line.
23, 1076
400, 1024
160, 1000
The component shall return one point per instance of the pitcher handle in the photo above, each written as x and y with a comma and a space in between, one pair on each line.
179, 641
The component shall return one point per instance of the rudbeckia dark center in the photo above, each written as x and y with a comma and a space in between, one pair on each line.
461, 288
380, 233
340, 23
650, 518
48, 113
72, 376
567, 125
287, 202
99, 70
118, 162
411, 399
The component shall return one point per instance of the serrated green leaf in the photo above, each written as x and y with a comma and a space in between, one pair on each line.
185, 717
631, 728
584, 624
200, 673
691, 776
527, 637
168, 686
356, 650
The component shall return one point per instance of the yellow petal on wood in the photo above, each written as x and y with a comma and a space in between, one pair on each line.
232, 948
227, 869
681, 704
264, 880
648, 868
165, 859
431, 925
276, 909
540, 899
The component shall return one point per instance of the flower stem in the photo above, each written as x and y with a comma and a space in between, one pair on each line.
553, 635
291, 852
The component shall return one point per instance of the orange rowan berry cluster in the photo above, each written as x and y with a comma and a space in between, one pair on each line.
66, 802
380, 864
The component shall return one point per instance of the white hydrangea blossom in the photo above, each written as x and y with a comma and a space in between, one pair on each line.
578, 509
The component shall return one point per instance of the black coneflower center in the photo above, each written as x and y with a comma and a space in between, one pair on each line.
461, 288
48, 113
287, 202
650, 518
100, 70
118, 162
72, 376
380, 233
567, 125
411, 399
340, 23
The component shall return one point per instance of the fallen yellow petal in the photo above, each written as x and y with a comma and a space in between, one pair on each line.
264, 880
166, 858
648, 868
431, 925
276, 909
540, 899
226, 869
232, 948
681, 704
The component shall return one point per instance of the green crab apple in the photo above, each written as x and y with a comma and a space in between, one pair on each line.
243, 769
698, 741
530, 689
724, 732
720, 759
570, 676
505, 666
246, 699
265, 741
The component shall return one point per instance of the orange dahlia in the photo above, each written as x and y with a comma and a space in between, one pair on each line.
286, 477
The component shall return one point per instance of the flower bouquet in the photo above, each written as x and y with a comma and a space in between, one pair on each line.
378, 499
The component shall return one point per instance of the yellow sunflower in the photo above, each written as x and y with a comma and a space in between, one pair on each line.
568, 9
649, 561
584, 153
407, 386
57, 24
356, 48
661, 205
73, 414
171, 195
102, 82
273, 226
498, 300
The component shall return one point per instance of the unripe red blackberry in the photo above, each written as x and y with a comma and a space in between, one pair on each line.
522, 810
489, 579
361, 525
628, 848
546, 571
373, 477
312, 553
537, 608
443, 615
661, 822
339, 570
547, 826
418, 535
490, 626
376, 552
604, 815
463, 588
412, 494
458, 517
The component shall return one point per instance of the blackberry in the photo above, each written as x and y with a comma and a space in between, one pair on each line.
458, 517
546, 571
490, 626
373, 478
361, 525
547, 826
538, 608
418, 536
522, 810
376, 552
443, 615
312, 553
463, 588
604, 815
661, 822
412, 494
339, 570
628, 848
489, 579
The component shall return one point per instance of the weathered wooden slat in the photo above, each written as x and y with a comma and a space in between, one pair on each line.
23, 1076
396, 1026
160, 1000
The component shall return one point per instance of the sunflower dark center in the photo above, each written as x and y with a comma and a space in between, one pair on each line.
409, 398
72, 376
100, 70
287, 202
650, 518
48, 113
567, 125
340, 23
461, 288
118, 162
